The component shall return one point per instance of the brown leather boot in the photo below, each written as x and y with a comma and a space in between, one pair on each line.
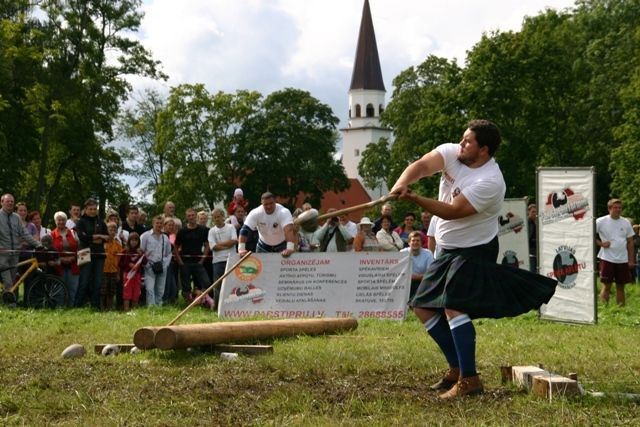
468, 386
448, 381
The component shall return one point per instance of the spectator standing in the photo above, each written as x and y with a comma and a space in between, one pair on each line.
238, 200
351, 227
425, 221
385, 211
222, 241
365, 240
190, 256
171, 284
132, 263
92, 233
169, 211
65, 242
132, 221
274, 225
203, 220
389, 240
333, 236
157, 249
74, 216
532, 222
34, 226
406, 228
421, 259
614, 235
21, 210
111, 272
636, 243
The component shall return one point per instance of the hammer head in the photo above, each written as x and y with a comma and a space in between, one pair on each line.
308, 220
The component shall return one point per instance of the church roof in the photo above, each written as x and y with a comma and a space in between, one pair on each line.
366, 67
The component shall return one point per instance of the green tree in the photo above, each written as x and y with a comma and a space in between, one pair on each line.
203, 138
289, 149
69, 69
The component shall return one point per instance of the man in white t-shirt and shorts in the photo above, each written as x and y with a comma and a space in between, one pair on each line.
275, 228
465, 282
614, 235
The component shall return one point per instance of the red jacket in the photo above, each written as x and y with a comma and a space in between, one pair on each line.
73, 247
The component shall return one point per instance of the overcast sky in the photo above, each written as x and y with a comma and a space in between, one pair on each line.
267, 45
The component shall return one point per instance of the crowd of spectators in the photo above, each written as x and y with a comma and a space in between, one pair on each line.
122, 262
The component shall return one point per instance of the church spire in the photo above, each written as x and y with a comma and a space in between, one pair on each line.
366, 68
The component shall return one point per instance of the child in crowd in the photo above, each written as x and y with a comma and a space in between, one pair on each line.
131, 266
111, 272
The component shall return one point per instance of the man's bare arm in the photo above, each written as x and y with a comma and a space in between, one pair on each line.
460, 207
427, 165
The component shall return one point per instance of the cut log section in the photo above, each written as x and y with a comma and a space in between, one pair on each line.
144, 337
184, 336
552, 385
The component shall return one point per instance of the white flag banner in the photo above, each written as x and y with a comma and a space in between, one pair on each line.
565, 199
343, 284
513, 235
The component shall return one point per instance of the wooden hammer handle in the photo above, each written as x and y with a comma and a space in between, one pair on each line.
368, 205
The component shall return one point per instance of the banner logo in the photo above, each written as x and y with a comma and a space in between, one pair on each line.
564, 204
249, 270
566, 267
511, 258
510, 222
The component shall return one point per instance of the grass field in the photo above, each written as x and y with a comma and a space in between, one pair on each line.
376, 375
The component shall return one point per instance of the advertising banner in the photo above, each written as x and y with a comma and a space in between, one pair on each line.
513, 235
566, 232
343, 284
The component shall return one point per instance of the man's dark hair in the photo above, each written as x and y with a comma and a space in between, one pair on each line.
411, 214
487, 134
90, 202
267, 195
131, 208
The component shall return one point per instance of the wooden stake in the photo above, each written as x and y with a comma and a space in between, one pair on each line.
213, 285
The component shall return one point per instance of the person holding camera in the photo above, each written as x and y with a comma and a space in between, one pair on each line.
333, 236
157, 248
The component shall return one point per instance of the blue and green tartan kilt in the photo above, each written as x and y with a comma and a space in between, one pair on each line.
469, 280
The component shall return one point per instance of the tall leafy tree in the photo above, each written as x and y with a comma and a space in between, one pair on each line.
289, 148
70, 91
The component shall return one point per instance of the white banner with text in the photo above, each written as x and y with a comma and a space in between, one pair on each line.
566, 235
343, 284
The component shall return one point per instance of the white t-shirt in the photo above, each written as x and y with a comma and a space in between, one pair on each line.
483, 187
217, 235
352, 228
270, 227
616, 231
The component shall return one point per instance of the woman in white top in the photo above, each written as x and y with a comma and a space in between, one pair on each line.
389, 240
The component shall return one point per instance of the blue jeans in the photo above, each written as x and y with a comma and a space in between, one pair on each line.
171, 284
71, 280
154, 285
89, 282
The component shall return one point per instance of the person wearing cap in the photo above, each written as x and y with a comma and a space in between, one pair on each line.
238, 200
365, 240
421, 259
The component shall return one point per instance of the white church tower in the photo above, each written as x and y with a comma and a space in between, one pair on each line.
366, 102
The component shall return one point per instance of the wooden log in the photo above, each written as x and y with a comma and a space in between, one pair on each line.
552, 385
523, 375
183, 336
143, 338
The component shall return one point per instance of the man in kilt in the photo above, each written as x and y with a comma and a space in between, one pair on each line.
465, 282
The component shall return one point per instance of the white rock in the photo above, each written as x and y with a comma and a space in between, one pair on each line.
74, 350
135, 350
111, 350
